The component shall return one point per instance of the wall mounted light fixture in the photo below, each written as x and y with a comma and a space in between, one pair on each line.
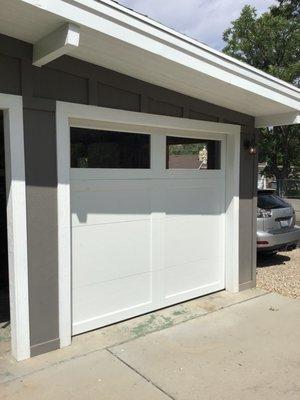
251, 147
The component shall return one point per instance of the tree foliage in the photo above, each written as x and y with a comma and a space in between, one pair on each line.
289, 9
185, 149
271, 42
280, 149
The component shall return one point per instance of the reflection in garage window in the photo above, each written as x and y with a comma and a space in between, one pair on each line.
104, 149
188, 153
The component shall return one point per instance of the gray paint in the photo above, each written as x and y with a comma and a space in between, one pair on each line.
10, 75
110, 96
59, 85
41, 183
68, 79
247, 212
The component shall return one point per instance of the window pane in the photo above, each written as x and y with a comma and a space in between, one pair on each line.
103, 149
186, 153
267, 201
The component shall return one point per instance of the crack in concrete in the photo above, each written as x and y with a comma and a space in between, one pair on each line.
21, 376
141, 375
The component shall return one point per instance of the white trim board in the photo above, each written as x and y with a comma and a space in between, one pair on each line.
90, 12
68, 114
16, 224
178, 62
278, 119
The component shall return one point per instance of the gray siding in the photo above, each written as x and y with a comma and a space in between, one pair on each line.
41, 183
68, 79
247, 213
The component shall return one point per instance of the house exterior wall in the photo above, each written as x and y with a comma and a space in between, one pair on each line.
72, 80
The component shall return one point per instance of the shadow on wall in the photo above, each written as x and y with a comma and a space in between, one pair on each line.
102, 201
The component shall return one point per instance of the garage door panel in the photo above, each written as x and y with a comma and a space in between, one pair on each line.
193, 293
110, 251
111, 204
144, 239
190, 238
199, 198
192, 276
115, 297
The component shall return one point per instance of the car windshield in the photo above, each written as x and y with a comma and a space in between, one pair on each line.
268, 201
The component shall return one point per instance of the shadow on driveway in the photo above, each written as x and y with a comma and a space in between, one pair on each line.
270, 260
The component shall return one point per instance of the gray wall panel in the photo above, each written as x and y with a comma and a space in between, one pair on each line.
10, 75
69, 79
202, 116
59, 85
164, 108
112, 97
41, 197
248, 189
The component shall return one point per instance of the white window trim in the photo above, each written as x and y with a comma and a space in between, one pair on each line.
16, 224
69, 114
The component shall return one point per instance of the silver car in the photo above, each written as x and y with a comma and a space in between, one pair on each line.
276, 229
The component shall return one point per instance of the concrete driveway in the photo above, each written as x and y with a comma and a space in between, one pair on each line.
224, 346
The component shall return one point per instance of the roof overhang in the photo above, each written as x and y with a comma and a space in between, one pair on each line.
104, 33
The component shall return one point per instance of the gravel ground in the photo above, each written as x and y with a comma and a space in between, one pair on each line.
280, 273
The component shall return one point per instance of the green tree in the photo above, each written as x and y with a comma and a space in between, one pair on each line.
271, 42
287, 8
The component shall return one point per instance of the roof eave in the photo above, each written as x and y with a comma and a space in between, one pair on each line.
118, 22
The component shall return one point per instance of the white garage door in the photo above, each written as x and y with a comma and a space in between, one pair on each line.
148, 225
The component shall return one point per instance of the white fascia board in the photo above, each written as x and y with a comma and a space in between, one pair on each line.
120, 23
184, 38
277, 120
56, 44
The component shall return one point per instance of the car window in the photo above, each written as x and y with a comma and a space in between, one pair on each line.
268, 201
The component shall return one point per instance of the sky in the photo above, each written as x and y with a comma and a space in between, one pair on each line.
200, 19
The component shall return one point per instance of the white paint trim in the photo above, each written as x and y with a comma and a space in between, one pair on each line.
278, 119
137, 120
90, 116
16, 224
56, 44
232, 188
123, 12
103, 17
254, 239
64, 228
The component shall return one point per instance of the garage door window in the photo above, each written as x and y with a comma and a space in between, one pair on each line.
108, 149
196, 154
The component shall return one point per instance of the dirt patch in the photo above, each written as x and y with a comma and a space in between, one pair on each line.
280, 273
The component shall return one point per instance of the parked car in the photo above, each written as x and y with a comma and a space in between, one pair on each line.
276, 229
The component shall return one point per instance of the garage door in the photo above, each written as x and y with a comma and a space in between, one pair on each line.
148, 225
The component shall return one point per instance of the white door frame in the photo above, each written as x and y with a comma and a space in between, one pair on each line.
12, 107
69, 114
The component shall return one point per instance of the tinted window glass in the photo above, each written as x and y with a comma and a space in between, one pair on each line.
186, 153
268, 201
103, 149
2, 157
